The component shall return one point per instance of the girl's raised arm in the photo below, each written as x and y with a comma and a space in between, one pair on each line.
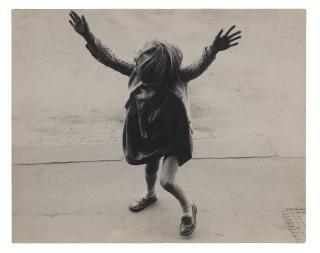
220, 43
99, 51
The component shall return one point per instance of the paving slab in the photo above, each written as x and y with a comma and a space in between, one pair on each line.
111, 151
239, 200
237, 147
290, 146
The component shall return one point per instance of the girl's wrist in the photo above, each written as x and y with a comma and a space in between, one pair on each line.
213, 50
88, 36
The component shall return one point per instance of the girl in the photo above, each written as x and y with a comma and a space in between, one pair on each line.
158, 111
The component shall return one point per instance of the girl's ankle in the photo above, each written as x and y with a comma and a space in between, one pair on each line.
150, 194
187, 209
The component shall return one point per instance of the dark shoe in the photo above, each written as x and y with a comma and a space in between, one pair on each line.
188, 224
141, 203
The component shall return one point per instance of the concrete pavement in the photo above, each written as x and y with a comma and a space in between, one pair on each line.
239, 199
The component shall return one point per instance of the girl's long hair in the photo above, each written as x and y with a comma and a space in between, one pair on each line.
158, 62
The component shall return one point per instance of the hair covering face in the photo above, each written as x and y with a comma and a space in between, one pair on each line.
158, 62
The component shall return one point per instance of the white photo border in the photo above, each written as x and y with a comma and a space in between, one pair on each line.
313, 125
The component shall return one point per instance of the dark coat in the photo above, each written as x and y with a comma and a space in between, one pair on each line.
173, 137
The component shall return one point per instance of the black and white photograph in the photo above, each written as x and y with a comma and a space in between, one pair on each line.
158, 125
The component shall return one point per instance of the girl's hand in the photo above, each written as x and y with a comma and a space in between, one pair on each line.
80, 25
223, 42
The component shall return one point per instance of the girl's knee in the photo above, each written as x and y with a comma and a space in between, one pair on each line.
167, 184
168, 172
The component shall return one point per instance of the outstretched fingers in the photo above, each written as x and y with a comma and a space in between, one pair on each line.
71, 23
219, 34
233, 39
84, 21
233, 44
230, 29
74, 16
234, 34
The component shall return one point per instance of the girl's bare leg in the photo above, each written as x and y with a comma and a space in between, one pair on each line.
151, 170
167, 180
148, 197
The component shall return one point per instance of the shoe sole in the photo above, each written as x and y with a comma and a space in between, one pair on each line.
151, 201
195, 224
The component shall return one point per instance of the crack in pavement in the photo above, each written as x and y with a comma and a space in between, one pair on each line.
195, 158
62, 162
55, 214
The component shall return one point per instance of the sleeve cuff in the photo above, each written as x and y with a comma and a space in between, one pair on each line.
211, 54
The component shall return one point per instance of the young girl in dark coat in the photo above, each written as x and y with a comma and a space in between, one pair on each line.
158, 111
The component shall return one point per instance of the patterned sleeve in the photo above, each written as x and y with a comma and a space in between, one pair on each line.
104, 55
198, 67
